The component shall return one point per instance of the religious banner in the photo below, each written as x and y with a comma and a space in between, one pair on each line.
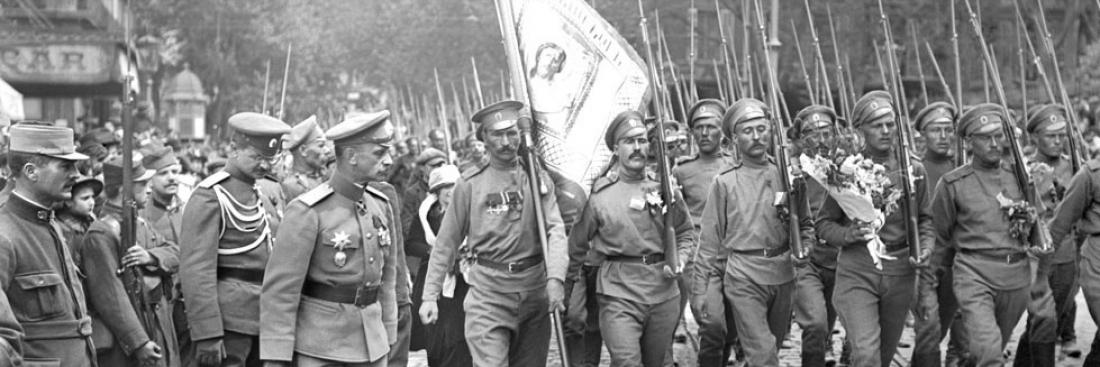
580, 73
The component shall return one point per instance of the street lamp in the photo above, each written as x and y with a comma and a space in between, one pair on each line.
148, 53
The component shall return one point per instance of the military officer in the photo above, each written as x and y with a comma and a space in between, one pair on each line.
758, 273
225, 241
329, 289
149, 266
716, 330
1052, 169
309, 151
637, 292
875, 286
936, 307
44, 316
814, 130
513, 282
991, 272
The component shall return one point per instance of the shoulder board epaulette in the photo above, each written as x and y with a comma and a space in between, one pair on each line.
473, 171
1093, 164
314, 196
604, 182
957, 174
213, 179
686, 159
376, 192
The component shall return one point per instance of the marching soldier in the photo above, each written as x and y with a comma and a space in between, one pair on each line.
309, 152
814, 130
759, 274
991, 272
512, 282
329, 289
716, 330
43, 316
117, 329
936, 307
1047, 127
875, 286
164, 212
225, 242
638, 295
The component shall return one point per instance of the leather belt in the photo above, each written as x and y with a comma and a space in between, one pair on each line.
644, 259
1005, 255
512, 267
361, 296
64, 329
896, 247
245, 275
765, 252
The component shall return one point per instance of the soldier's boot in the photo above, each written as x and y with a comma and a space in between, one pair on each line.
813, 359
1042, 354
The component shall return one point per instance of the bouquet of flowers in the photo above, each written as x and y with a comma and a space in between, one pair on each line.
859, 186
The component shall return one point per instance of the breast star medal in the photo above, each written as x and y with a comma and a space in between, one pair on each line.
340, 240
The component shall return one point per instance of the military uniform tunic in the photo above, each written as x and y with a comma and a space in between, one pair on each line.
223, 251
1081, 208
935, 292
40, 286
813, 300
716, 330
116, 329
873, 303
491, 210
297, 183
991, 274
638, 304
341, 238
741, 220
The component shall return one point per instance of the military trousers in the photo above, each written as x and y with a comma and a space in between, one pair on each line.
941, 310
1089, 279
637, 334
301, 360
399, 351
1064, 287
873, 306
813, 311
762, 313
507, 328
582, 325
988, 315
1036, 346
717, 332
241, 350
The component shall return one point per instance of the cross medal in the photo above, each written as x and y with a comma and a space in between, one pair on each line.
340, 240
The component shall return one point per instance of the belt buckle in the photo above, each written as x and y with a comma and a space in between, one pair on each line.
512, 267
768, 252
647, 260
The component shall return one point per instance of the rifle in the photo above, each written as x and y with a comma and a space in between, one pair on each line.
943, 83
477, 84
693, 92
960, 148
909, 206
267, 81
132, 277
802, 65
718, 79
1040, 235
920, 64
1023, 75
727, 51
662, 42
443, 115
846, 91
668, 234
286, 75
789, 194
826, 90
1077, 151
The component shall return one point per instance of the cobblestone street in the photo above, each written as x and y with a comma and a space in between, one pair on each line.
790, 356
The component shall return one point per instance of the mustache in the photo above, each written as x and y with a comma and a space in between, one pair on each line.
637, 155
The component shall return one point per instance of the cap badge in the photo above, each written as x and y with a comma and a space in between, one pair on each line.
874, 106
983, 119
272, 142
815, 118
1054, 118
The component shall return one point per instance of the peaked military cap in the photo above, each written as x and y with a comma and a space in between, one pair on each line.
981, 119
934, 112
500, 115
259, 131
112, 170
811, 117
626, 123
1048, 117
46, 140
741, 111
304, 132
671, 129
158, 156
706, 109
873, 106
363, 128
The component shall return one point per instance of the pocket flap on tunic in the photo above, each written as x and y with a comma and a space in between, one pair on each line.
34, 281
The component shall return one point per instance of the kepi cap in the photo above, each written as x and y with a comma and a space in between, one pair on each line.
259, 131
626, 123
706, 109
981, 119
934, 112
363, 128
873, 106
156, 157
112, 170
46, 140
744, 110
304, 132
1048, 117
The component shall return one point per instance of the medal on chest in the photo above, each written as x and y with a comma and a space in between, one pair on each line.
383, 232
340, 241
